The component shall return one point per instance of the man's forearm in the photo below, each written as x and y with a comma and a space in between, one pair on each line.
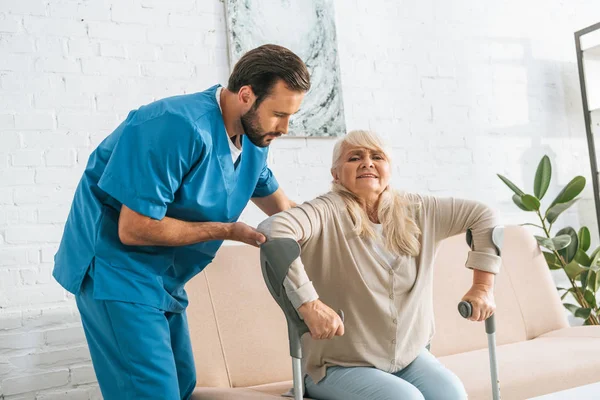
170, 231
274, 203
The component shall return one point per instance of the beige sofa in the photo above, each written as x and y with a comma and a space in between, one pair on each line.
240, 344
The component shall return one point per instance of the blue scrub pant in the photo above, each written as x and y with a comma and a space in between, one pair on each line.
424, 378
138, 352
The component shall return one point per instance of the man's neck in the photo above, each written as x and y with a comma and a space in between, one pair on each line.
236, 140
231, 116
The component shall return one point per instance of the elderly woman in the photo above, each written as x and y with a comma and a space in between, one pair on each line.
369, 250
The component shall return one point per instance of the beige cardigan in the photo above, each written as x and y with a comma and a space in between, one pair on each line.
388, 307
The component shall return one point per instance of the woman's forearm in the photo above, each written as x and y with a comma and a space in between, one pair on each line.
483, 278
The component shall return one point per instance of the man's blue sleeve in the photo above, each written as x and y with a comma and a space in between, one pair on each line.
267, 184
149, 162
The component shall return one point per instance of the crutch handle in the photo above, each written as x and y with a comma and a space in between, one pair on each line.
466, 310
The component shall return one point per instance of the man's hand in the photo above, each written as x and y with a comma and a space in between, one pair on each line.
241, 232
481, 298
323, 322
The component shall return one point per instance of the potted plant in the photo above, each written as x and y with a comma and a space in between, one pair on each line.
568, 249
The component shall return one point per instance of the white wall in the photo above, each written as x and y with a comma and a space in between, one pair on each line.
461, 89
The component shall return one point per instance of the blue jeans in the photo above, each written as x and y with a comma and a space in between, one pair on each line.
424, 378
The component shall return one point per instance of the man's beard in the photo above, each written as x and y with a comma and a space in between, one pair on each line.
253, 130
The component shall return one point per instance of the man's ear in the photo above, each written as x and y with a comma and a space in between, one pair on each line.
246, 96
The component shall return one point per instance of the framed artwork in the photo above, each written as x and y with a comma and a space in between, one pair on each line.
307, 28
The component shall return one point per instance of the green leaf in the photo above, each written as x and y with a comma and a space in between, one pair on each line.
530, 202
567, 291
582, 258
557, 243
595, 253
545, 242
590, 298
570, 191
568, 252
511, 185
542, 177
517, 200
578, 311
571, 307
573, 270
583, 279
560, 242
595, 264
584, 238
591, 282
583, 313
551, 260
597, 284
554, 211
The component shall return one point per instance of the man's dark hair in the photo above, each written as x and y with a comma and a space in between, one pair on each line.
263, 66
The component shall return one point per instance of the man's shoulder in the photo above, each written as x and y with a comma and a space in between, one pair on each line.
195, 109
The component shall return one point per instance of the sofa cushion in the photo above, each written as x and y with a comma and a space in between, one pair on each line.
211, 369
555, 361
252, 327
268, 392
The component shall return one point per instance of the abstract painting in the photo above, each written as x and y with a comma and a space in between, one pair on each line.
307, 27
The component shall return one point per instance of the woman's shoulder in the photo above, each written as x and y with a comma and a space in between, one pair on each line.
413, 200
333, 199
411, 196
329, 202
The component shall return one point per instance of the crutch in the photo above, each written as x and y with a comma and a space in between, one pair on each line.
465, 309
276, 256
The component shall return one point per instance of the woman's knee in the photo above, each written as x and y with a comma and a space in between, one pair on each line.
449, 387
361, 383
410, 393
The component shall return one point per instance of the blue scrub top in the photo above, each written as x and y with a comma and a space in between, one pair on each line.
172, 158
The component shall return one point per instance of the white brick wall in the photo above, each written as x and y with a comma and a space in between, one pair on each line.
462, 90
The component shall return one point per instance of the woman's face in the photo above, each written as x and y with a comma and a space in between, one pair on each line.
364, 172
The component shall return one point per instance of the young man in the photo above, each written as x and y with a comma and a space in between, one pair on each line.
158, 197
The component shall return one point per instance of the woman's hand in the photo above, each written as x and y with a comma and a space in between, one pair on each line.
323, 322
481, 297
